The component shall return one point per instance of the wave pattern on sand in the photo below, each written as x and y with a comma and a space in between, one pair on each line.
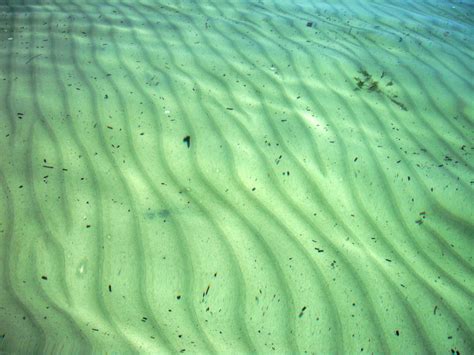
240, 176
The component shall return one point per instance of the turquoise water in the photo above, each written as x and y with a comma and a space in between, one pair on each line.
236, 176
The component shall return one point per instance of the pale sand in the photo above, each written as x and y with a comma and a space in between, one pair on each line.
324, 203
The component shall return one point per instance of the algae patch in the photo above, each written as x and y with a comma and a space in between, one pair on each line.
366, 81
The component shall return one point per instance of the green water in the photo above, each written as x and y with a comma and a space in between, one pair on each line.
236, 176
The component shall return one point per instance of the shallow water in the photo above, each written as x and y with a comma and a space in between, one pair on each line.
239, 176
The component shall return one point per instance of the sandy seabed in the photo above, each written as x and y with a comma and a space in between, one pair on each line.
236, 176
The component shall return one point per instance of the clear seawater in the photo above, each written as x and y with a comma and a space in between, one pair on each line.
273, 176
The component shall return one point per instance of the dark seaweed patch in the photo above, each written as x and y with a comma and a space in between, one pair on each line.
365, 81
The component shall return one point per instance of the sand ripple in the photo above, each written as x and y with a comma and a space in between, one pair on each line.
235, 176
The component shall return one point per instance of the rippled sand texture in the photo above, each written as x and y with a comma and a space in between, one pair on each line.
324, 203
